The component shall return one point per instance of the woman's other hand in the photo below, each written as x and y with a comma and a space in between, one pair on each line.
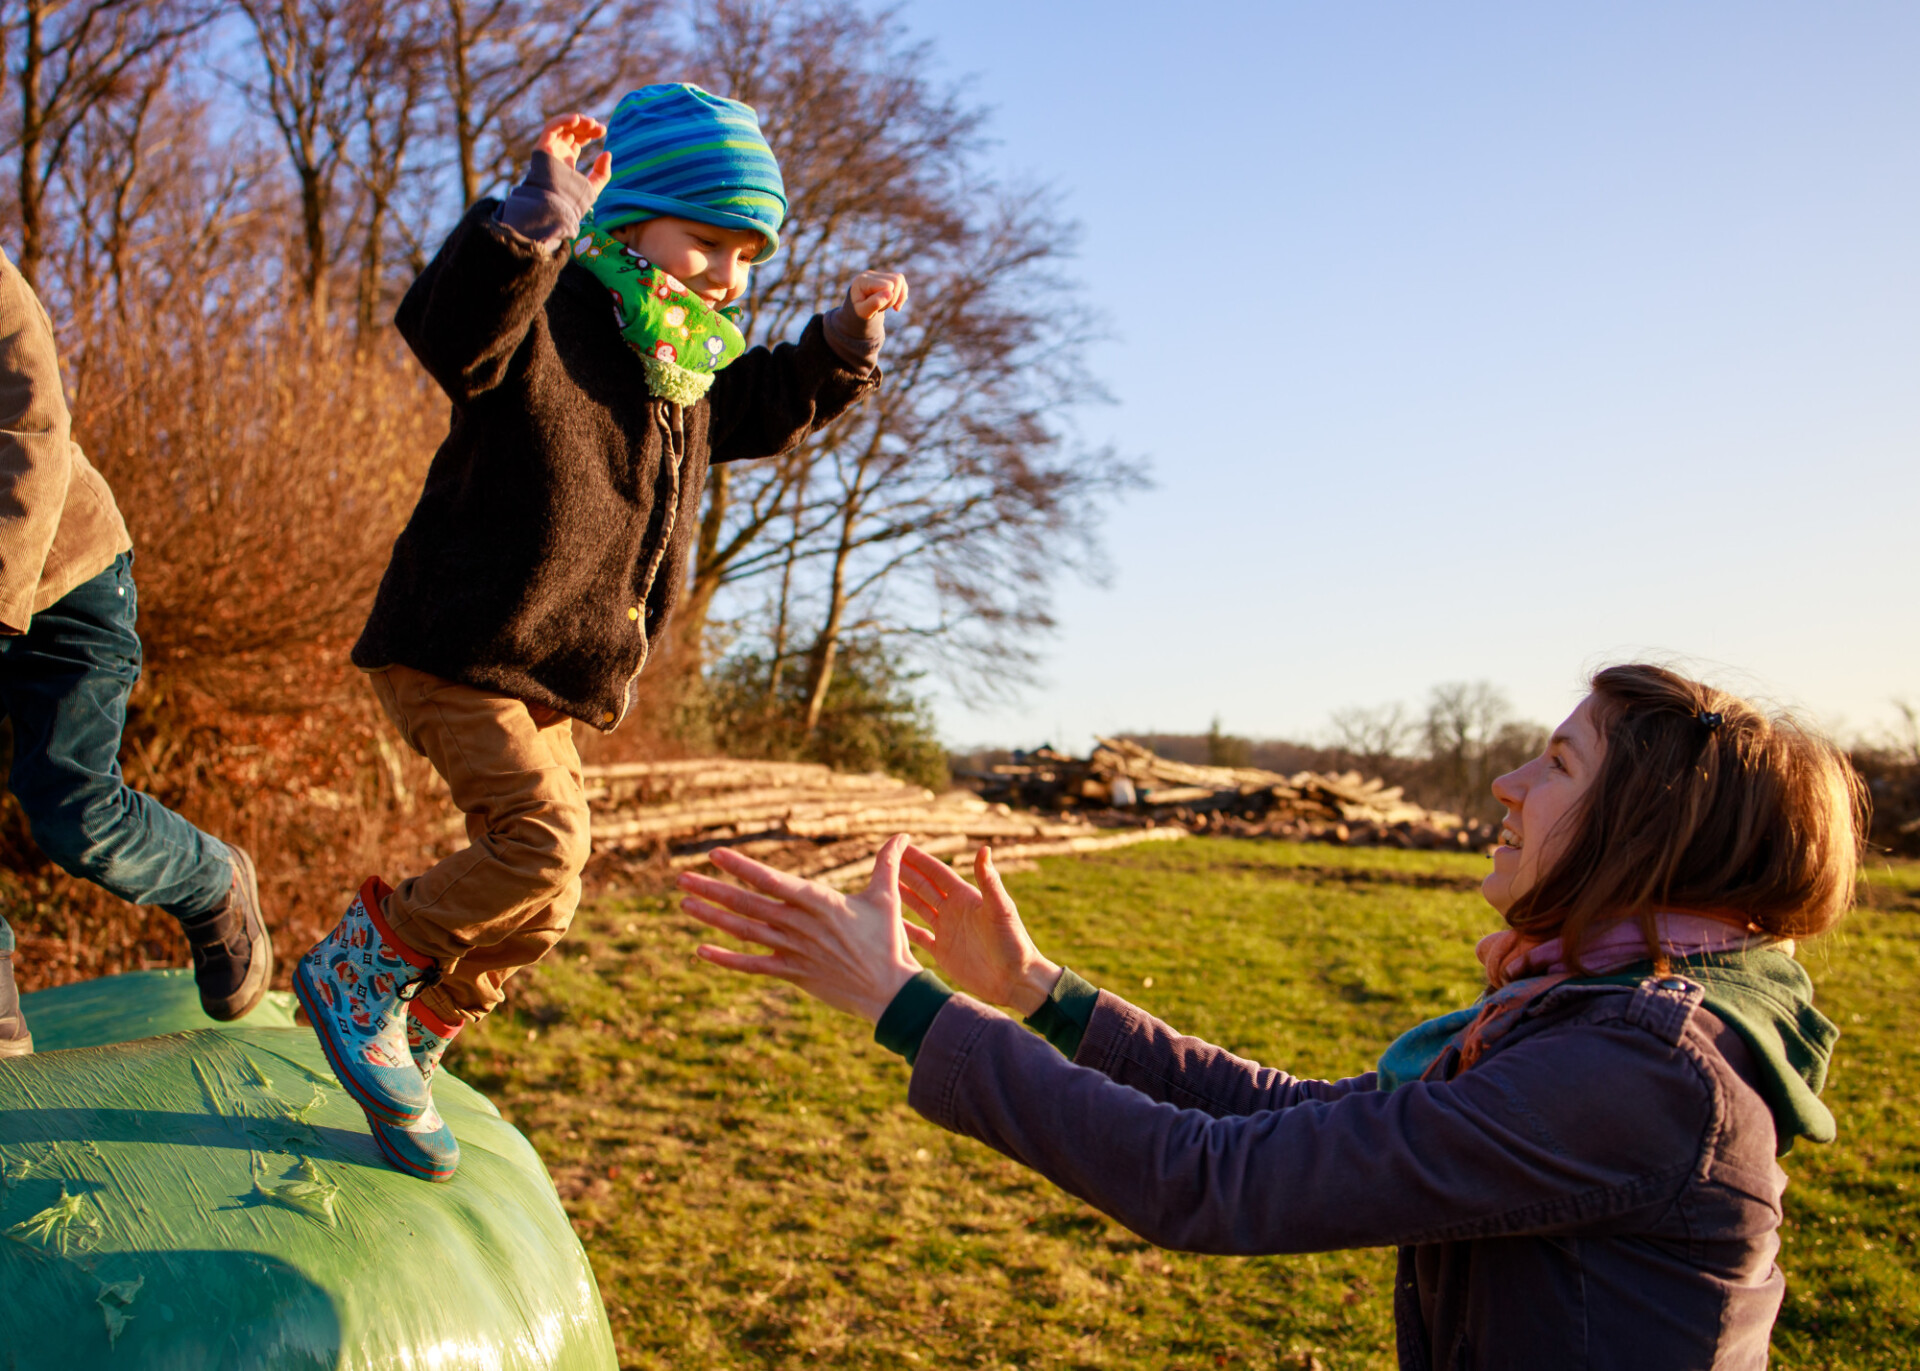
566, 136
850, 951
976, 935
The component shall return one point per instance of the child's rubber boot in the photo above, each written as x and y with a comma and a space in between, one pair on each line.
351, 985
426, 1147
15, 1041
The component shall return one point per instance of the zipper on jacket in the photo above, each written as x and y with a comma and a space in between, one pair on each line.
673, 439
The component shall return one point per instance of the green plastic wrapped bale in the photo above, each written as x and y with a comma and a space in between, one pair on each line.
210, 1198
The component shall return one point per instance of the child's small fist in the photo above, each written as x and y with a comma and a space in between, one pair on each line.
873, 291
566, 135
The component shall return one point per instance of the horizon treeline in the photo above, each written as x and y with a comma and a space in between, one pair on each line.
221, 203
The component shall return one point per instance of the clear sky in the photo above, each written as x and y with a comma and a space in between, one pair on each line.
1536, 336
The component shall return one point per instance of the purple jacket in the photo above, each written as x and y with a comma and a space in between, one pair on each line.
1600, 1191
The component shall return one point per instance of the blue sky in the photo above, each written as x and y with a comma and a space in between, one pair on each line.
1548, 336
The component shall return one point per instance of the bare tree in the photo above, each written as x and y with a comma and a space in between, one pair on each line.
390, 94
70, 59
1471, 736
313, 62
1375, 735
937, 513
504, 62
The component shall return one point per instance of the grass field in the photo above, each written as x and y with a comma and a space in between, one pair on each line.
742, 1166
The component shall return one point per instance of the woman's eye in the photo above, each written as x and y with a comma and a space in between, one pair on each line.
1556, 764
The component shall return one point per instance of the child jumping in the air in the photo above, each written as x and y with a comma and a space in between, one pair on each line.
594, 373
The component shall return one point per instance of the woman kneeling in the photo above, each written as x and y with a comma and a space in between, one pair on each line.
1578, 1169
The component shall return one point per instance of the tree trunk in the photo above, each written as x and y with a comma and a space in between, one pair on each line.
698, 604
460, 93
826, 648
370, 263
32, 125
313, 226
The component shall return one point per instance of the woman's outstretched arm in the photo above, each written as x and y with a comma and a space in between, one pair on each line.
1533, 1140
976, 935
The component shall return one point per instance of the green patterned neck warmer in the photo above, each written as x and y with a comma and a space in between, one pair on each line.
681, 338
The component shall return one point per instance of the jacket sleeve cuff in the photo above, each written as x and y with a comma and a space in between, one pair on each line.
548, 206
904, 1023
1063, 1017
854, 340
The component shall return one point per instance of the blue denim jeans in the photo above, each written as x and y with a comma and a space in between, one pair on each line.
64, 683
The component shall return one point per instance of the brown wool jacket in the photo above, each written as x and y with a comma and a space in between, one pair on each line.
549, 543
1598, 1194
59, 525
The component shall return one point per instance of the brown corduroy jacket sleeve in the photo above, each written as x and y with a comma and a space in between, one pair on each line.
58, 522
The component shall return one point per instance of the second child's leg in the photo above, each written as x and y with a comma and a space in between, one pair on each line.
65, 683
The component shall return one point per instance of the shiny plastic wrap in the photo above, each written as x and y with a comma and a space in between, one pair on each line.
210, 1198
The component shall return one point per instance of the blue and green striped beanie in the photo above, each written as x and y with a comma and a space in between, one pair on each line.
680, 151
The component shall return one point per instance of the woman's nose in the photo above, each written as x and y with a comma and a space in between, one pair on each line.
1510, 789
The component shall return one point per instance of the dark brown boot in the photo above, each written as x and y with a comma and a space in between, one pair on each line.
15, 1040
232, 954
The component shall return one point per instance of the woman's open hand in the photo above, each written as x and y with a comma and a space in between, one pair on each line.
976, 935
850, 951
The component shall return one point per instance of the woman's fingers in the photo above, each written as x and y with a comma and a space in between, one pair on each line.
747, 902
936, 873
989, 878
919, 903
787, 889
919, 936
747, 930
886, 868
921, 891
755, 964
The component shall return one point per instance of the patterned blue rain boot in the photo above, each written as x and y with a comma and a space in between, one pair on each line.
426, 1147
352, 985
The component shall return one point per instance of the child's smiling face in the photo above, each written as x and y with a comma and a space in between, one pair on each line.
711, 262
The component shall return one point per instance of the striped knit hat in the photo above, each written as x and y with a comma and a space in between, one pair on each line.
679, 151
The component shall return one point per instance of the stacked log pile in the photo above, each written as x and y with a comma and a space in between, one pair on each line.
816, 822
1121, 778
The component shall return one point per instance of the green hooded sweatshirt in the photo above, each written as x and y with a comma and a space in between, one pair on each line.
1767, 998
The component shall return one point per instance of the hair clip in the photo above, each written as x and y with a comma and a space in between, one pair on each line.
1710, 719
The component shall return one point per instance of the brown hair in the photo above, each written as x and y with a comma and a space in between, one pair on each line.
1749, 816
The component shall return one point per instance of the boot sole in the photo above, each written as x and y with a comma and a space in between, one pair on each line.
253, 987
16, 1047
372, 1107
438, 1175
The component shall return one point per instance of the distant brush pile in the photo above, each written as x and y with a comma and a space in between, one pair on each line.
1127, 782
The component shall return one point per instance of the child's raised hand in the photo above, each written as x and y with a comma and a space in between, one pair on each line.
566, 135
873, 291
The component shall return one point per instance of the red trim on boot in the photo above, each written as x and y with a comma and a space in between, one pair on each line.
371, 894
433, 1021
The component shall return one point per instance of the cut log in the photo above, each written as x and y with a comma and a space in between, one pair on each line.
1105, 842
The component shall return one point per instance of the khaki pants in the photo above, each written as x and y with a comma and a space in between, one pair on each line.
497, 906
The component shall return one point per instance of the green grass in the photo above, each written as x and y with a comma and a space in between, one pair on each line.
754, 1192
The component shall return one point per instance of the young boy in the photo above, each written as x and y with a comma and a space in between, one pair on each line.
69, 656
593, 379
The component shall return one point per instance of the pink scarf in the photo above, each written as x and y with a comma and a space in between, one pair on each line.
1521, 969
